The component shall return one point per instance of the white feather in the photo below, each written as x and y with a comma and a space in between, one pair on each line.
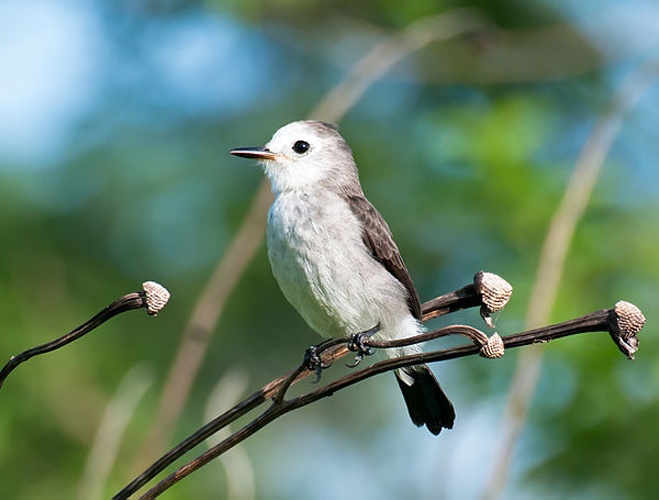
315, 244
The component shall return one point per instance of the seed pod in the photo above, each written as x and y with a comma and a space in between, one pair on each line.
156, 297
494, 290
493, 348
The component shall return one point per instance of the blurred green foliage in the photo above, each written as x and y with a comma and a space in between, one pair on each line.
466, 165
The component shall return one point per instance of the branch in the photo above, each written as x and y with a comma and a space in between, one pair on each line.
623, 323
153, 298
488, 291
484, 286
552, 262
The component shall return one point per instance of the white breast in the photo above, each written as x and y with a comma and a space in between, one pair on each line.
324, 269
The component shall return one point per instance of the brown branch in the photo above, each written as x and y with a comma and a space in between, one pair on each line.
472, 295
623, 323
153, 298
552, 262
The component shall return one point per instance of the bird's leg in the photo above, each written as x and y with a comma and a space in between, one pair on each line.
356, 344
312, 358
313, 361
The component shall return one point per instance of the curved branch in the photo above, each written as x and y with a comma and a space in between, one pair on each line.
153, 298
468, 296
622, 323
552, 262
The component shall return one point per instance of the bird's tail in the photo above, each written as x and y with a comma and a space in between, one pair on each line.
426, 402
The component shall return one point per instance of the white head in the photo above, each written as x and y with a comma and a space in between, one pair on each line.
305, 154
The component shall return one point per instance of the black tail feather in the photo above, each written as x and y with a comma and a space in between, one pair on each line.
426, 402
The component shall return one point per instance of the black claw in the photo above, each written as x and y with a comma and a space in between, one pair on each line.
319, 373
314, 362
356, 344
311, 358
358, 359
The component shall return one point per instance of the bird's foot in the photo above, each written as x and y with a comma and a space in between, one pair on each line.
314, 362
356, 344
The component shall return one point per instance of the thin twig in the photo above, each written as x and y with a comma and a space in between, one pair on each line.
212, 300
608, 320
552, 262
467, 296
153, 298
623, 324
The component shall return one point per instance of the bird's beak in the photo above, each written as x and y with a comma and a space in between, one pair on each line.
255, 153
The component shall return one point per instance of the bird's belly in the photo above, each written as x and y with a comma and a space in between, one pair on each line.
319, 286
323, 270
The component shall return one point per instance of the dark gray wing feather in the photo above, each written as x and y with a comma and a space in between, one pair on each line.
378, 239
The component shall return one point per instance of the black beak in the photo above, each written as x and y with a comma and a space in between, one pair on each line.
255, 153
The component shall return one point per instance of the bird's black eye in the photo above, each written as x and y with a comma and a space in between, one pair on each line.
301, 147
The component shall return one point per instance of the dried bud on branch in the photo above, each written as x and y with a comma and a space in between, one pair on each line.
495, 293
153, 298
156, 297
622, 323
626, 322
493, 348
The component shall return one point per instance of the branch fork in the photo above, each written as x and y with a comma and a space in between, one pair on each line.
488, 291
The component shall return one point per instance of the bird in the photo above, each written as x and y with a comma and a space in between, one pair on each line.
334, 256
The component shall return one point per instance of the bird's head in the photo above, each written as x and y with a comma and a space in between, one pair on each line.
305, 154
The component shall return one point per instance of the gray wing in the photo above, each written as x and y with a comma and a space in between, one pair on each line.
378, 239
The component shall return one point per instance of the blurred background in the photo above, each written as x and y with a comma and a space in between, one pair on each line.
115, 123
